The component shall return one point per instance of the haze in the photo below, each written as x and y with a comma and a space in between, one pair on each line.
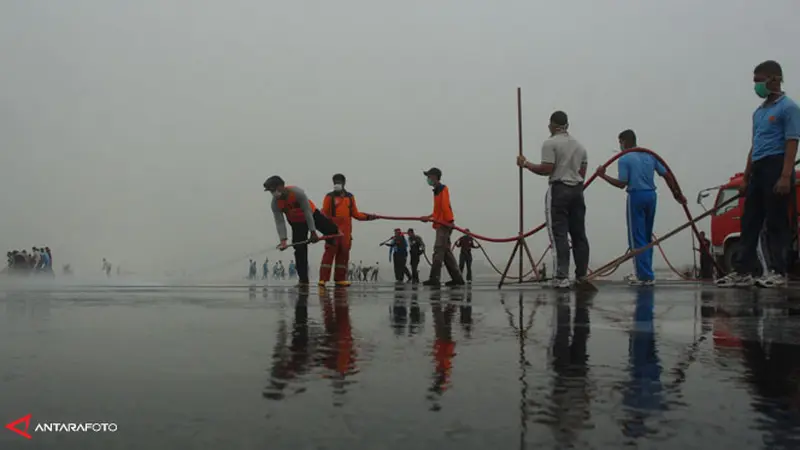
141, 131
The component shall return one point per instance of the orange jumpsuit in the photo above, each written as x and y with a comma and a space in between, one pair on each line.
341, 208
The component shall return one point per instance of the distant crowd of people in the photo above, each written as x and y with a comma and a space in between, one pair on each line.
279, 271
360, 272
363, 272
38, 261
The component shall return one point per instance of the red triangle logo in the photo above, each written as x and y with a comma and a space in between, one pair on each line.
13, 426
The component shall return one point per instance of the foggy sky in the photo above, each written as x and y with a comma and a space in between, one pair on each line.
141, 131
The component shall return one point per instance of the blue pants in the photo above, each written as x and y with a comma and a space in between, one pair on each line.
641, 213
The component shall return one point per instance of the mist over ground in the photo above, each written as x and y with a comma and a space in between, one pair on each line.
142, 131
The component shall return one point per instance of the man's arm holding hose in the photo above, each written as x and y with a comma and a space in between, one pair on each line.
671, 181
280, 221
358, 215
622, 169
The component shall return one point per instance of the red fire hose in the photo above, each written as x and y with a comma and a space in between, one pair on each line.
704, 248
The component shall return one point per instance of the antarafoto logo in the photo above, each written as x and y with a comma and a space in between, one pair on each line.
22, 425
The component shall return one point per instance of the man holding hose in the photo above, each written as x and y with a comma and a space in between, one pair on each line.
340, 207
636, 176
443, 220
768, 182
564, 163
303, 217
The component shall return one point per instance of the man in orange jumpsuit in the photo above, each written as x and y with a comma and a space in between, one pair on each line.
442, 214
340, 207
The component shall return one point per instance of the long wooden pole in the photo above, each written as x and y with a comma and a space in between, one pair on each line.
521, 207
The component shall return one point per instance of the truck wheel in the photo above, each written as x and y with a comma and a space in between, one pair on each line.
731, 253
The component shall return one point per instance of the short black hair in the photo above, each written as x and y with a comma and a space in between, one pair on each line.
771, 68
339, 177
273, 182
628, 137
558, 118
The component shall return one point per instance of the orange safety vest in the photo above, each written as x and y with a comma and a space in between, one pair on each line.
342, 209
292, 209
442, 210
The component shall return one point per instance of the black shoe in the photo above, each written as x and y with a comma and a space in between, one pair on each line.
454, 283
431, 283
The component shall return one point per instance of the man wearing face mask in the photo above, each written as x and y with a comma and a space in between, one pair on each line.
637, 176
303, 217
768, 182
564, 162
340, 207
442, 214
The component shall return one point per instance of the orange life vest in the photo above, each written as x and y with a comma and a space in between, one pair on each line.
292, 209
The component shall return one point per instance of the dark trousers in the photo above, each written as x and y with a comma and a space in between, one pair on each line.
566, 215
300, 233
414, 267
443, 254
465, 259
400, 269
764, 208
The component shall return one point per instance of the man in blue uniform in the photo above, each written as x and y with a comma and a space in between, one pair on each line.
768, 182
637, 176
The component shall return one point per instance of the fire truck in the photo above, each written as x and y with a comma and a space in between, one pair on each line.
725, 222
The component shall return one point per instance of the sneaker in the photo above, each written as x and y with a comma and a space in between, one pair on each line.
344, 283
734, 279
431, 283
637, 282
454, 283
561, 283
772, 280
321, 283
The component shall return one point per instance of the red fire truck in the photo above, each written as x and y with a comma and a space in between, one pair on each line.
725, 222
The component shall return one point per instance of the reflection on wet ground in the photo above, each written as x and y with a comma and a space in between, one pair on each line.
227, 367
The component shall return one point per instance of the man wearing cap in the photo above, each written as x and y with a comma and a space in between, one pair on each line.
564, 162
340, 207
442, 219
303, 217
416, 248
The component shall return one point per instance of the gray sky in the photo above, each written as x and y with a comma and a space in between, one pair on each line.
142, 130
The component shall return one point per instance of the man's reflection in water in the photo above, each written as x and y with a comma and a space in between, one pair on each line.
405, 313
339, 353
399, 311
643, 393
771, 356
465, 314
443, 348
292, 360
571, 397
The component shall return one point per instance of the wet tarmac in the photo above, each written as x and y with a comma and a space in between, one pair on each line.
374, 367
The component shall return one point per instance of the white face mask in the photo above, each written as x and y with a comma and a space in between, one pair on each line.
276, 194
338, 187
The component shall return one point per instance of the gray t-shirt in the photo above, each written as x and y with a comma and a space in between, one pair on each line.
568, 157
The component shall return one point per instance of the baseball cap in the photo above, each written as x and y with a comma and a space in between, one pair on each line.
433, 171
